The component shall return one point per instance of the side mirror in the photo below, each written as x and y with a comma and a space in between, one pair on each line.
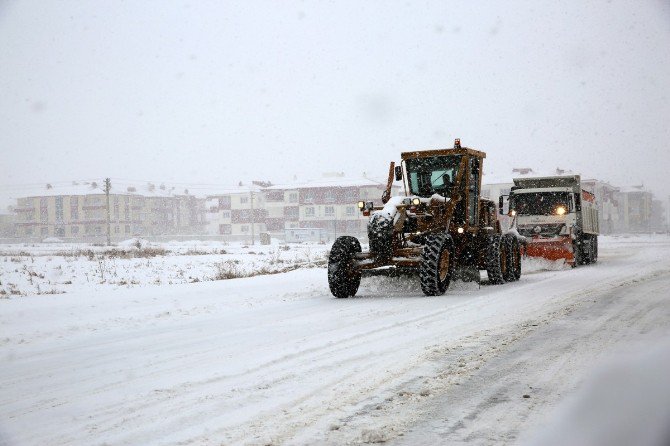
501, 201
578, 202
398, 173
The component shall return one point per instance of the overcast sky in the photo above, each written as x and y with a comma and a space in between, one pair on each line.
217, 92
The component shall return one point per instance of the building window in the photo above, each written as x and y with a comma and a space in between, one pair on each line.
117, 229
29, 231
291, 212
309, 197
293, 197
44, 215
127, 229
74, 208
44, 202
59, 232
244, 228
350, 210
224, 202
74, 230
274, 196
44, 231
244, 199
225, 214
59, 208
330, 210
98, 230
309, 211
225, 229
329, 196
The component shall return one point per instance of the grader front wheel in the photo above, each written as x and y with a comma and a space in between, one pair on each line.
343, 278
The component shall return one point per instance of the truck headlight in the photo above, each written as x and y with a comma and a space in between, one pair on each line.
560, 210
416, 201
361, 204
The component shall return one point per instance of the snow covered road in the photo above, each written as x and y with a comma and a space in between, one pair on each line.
275, 359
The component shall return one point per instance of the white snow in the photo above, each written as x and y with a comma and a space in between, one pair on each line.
276, 359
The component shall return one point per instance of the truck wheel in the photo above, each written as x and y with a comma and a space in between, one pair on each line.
513, 256
578, 252
517, 260
587, 248
380, 236
343, 279
437, 264
496, 261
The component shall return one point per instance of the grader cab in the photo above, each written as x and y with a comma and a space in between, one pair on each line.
440, 227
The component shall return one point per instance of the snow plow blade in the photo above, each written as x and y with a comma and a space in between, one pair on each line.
550, 249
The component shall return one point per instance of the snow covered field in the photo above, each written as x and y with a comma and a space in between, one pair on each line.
56, 268
275, 359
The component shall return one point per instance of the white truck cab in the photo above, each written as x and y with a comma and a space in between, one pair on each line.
557, 217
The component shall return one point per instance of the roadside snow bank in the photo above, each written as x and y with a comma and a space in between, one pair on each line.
623, 403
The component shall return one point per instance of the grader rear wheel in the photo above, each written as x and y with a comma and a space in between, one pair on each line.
437, 264
513, 256
496, 260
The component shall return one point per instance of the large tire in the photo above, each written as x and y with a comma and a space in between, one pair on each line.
513, 256
587, 247
517, 260
437, 264
578, 251
496, 260
380, 236
343, 278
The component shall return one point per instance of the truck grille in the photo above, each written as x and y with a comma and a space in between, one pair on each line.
546, 230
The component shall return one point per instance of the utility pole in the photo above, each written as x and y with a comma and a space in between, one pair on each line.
108, 187
253, 234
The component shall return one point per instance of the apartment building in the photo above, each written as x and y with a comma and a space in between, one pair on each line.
78, 212
607, 202
328, 204
635, 209
237, 213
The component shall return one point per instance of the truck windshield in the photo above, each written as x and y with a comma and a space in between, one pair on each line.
434, 175
542, 203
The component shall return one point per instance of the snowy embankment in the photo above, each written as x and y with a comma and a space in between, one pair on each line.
276, 359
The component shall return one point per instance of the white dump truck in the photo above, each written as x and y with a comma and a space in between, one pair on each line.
557, 218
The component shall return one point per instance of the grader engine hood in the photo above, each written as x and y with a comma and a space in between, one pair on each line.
400, 215
398, 209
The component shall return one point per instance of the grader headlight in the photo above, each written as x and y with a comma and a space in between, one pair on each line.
361, 205
416, 201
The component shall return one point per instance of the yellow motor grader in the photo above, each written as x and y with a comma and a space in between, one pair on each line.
440, 227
